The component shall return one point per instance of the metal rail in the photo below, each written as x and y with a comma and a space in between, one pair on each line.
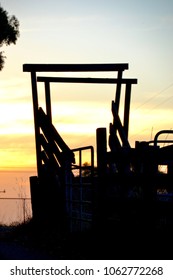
165, 131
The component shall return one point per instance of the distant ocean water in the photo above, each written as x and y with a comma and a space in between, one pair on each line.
16, 186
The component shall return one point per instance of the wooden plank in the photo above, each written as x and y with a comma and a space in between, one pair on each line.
44, 157
101, 150
50, 164
51, 148
118, 126
118, 90
85, 80
101, 189
127, 108
52, 134
114, 142
48, 101
74, 67
36, 125
35, 198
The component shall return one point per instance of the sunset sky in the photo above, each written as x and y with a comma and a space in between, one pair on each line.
136, 32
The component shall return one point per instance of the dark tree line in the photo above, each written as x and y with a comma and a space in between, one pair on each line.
9, 32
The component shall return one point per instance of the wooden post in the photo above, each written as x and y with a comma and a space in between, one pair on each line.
36, 122
35, 198
102, 171
127, 108
146, 157
118, 89
118, 125
48, 100
101, 150
170, 168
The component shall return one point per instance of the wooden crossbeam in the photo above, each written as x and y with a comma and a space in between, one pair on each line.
74, 67
85, 80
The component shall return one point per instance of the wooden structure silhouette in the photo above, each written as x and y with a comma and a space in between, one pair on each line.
125, 189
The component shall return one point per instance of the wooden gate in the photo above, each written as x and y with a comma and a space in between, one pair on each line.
80, 191
58, 189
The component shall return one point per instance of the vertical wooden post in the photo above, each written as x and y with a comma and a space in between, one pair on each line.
35, 198
48, 101
170, 168
101, 150
102, 171
36, 122
127, 108
118, 89
147, 163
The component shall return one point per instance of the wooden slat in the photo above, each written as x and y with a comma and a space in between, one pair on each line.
74, 67
118, 90
114, 142
35, 109
48, 101
52, 134
86, 80
127, 109
51, 149
119, 126
51, 165
44, 157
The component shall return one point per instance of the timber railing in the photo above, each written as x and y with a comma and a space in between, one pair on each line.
119, 81
53, 147
51, 150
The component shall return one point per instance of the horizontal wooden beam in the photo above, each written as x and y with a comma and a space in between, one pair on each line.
86, 80
74, 67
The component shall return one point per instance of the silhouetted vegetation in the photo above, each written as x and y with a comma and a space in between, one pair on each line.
87, 171
9, 32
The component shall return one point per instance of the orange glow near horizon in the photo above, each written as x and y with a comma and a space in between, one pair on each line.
76, 121
83, 32
85, 35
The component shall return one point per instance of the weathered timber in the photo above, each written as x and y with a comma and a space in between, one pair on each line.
36, 124
101, 140
127, 108
50, 155
101, 150
51, 133
51, 148
86, 80
118, 90
35, 198
48, 101
44, 157
74, 67
118, 125
114, 142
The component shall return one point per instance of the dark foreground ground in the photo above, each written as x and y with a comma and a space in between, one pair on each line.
29, 242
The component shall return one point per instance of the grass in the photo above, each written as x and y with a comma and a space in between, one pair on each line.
130, 239
106, 244
49, 241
